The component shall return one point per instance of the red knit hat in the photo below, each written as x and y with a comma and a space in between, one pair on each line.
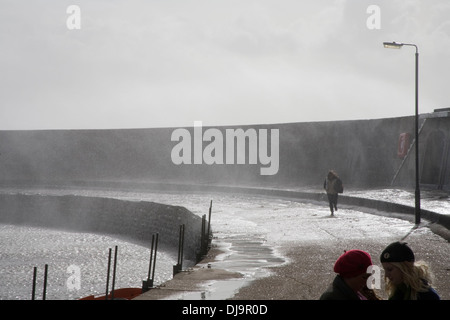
352, 263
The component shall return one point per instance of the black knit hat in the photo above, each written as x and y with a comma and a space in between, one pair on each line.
397, 252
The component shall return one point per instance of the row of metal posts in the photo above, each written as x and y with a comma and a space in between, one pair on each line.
114, 274
148, 283
205, 242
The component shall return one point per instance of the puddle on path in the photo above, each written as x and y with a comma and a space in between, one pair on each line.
249, 257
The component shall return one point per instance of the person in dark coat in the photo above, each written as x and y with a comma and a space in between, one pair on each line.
350, 281
405, 278
333, 186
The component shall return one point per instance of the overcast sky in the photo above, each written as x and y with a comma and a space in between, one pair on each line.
145, 63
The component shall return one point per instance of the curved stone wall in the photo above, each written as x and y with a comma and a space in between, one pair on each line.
133, 221
363, 152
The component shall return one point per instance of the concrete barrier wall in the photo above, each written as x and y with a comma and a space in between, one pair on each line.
133, 221
363, 152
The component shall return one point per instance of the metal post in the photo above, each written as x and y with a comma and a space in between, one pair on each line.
177, 268
114, 274
203, 236
394, 45
33, 290
417, 192
151, 258
154, 260
107, 276
182, 247
146, 283
44, 293
209, 220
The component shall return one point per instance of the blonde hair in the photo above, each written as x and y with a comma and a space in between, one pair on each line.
416, 275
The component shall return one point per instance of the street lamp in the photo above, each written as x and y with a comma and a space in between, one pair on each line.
394, 45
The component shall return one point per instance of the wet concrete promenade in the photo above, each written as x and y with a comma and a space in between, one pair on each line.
285, 249
281, 244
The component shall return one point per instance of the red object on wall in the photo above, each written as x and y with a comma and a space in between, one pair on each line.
403, 144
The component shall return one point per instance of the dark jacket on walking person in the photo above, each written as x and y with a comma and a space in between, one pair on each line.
350, 281
333, 186
405, 278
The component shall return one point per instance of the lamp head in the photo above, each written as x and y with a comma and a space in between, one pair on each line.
393, 45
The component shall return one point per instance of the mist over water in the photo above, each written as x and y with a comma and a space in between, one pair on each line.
23, 248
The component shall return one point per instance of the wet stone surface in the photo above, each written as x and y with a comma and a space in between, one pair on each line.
269, 248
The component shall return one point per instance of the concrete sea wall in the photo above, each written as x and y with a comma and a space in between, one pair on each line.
363, 152
132, 221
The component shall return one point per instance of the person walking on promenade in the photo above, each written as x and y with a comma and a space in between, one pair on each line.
333, 186
405, 278
350, 281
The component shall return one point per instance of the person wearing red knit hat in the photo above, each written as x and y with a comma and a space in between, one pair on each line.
351, 268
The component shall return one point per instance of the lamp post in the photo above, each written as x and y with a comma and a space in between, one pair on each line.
394, 45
